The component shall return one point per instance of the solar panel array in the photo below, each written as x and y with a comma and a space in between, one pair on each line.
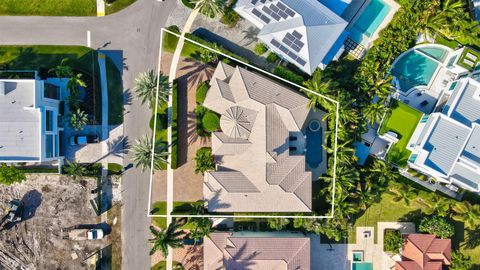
293, 41
276, 11
288, 52
262, 17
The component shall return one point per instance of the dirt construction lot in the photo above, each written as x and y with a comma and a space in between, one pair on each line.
52, 202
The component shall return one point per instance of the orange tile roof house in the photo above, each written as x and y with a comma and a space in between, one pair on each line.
424, 252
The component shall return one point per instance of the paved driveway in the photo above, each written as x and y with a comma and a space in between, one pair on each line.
136, 32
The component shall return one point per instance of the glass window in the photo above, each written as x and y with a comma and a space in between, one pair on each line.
51, 91
49, 146
48, 120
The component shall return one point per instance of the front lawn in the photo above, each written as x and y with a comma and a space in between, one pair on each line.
160, 208
117, 5
402, 120
49, 7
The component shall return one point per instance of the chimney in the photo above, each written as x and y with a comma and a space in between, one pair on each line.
2, 89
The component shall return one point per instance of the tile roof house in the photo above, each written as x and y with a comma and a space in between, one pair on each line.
446, 144
306, 33
29, 130
257, 171
424, 252
233, 251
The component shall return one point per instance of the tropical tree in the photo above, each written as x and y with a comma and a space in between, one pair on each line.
164, 238
392, 240
208, 56
383, 172
146, 87
10, 175
63, 70
374, 112
403, 192
460, 261
435, 205
74, 169
74, 82
467, 213
202, 227
142, 154
320, 88
211, 8
278, 223
437, 226
204, 160
78, 119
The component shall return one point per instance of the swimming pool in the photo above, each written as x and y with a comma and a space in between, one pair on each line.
413, 69
434, 52
369, 21
314, 144
362, 266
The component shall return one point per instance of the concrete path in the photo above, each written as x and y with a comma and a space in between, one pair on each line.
171, 77
135, 31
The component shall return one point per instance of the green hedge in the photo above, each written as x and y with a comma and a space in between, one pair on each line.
201, 93
174, 154
272, 57
114, 168
211, 121
230, 17
260, 49
288, 75
188, 4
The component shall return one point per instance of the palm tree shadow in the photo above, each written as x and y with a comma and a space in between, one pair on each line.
127, 97
473, 238
240, 259
216, 201
250, 35
197, 72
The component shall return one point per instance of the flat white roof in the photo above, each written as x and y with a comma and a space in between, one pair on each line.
20, 122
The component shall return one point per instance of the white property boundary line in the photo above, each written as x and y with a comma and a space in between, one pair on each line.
168, 215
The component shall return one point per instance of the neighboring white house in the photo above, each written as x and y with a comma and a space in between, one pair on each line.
311, 33
29, 130
306, 33
446, 144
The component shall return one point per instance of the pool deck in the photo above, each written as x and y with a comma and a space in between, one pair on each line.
340, 256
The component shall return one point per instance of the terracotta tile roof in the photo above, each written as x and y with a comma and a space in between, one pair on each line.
424, 252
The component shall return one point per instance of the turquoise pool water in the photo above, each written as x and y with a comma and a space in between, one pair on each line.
434, 52
314, 147
413, 69
362, 266
372, 16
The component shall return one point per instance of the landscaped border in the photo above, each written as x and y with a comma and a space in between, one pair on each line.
169, 215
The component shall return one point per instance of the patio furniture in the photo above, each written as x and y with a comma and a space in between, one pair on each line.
292, 148
292, 138
419, 94
424, 103
471, 56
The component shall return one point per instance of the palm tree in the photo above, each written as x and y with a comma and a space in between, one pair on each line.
62, 70
383, 172
436, 205
74, 82
374, 112
165, 238
202, 228
319, 88
211, 8
78, 119
74, 169
142, 154
467, 213
146, 87
403, 192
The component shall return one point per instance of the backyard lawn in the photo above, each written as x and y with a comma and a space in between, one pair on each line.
388, 210
403, 120
160, 208
49, 7
117, 6
80, 58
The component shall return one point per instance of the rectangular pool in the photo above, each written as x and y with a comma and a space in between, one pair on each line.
362, 266
369, 21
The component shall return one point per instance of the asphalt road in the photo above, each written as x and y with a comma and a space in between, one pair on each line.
136, 32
